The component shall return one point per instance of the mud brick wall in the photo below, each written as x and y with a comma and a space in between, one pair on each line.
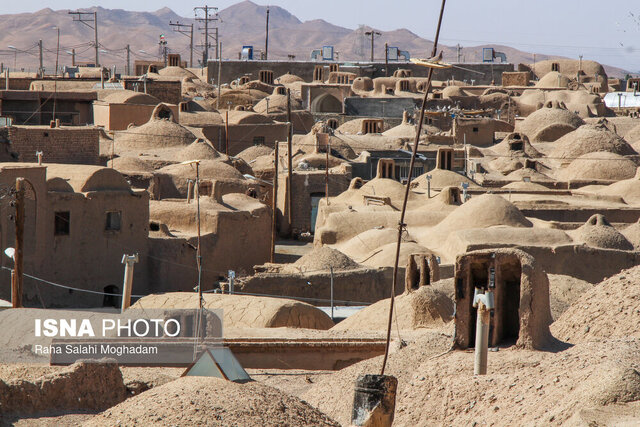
77, 145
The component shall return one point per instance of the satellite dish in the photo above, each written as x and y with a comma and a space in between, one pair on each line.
10, 252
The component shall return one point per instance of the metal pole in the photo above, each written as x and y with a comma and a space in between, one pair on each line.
331, 272
73, 57
275, 202
407, 189
232, 277
482, 340
198, 251
55, 77
17, 282
226, 133
217, 44
289, 163
206, 37
128, 261
41, 70
372, 36
191, 48
95, 27
219, 74
266, 39
128, 60
326, 173
386, 59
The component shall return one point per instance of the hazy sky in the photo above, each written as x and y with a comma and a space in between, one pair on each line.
608, 32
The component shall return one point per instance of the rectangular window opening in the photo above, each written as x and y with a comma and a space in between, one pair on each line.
61, 223
114, 219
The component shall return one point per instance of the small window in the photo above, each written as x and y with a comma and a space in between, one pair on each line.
516, 146
258, 140
61, 223
113, 221
476, 130
555, 67
46, 134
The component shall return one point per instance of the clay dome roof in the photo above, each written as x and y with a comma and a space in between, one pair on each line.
483, 211
589, 139
156, 133
599, 166
130, 97
549, 124
599, 233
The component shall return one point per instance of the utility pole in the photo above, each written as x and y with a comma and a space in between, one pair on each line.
266, 39
386, 59
459, 50
219, 74
289, 162
372, 34
18, 257
55, 76
275, 202
580, 63
327, 148
163, 48
206, 45
82, 17
73, 57
217, 44
182, 29
226, 132
128, 60
40, 70
128, 261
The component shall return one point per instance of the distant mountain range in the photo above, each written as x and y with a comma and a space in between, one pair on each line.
241, 24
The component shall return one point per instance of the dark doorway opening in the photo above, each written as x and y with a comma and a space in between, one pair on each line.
114, 299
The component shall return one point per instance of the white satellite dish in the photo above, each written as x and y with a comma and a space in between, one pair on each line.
10, 252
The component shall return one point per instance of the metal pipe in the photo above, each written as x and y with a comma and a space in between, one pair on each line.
482, 340
274, 219
128, 261
331, 273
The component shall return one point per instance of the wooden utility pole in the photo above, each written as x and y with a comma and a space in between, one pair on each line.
226, 132
401, 223
186, 30
41, 69
372, 34
18, 257
326, 172
198, 249
275, 202
266, 39
82, 17
206, 20
128, 60
219, 74
386, 59
289, 163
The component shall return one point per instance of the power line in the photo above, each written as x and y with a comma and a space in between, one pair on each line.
182, 29
84, 18
207, 19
